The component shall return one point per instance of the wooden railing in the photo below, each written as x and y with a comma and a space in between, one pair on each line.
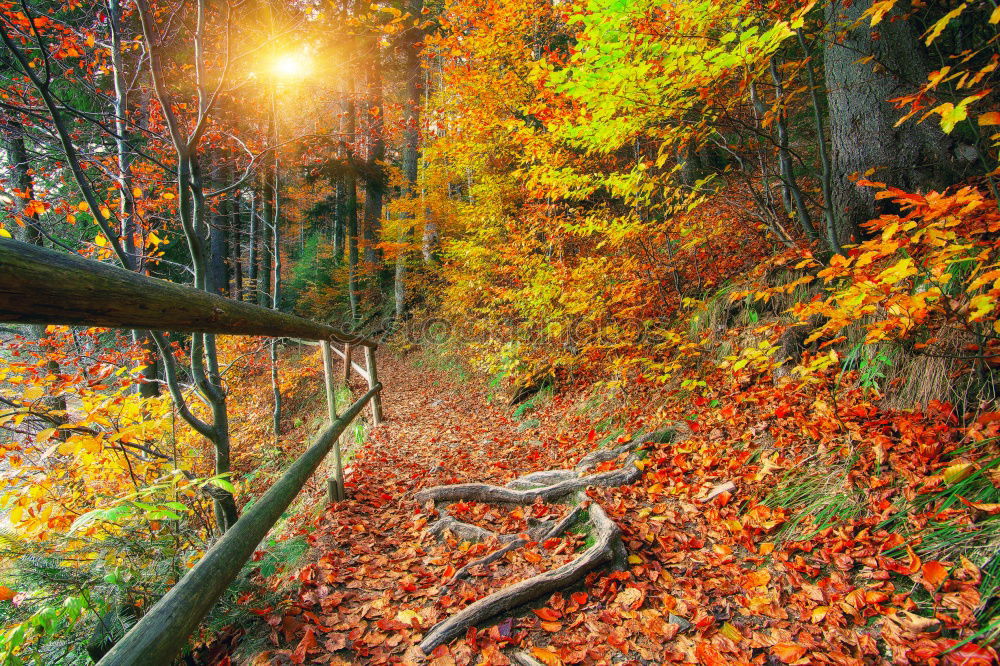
39, 286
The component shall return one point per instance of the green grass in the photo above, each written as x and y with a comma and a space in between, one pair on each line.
818, 496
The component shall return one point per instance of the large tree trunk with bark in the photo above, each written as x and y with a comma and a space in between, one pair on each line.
863, 135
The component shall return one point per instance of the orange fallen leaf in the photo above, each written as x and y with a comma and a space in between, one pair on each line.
6, 594
552, 626
547, 614
789, 653
934, 573
547, 657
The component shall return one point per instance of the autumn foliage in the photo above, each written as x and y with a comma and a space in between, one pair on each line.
767, 231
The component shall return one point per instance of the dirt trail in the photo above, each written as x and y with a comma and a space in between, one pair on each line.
375, 585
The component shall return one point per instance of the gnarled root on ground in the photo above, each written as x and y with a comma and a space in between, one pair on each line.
548, 486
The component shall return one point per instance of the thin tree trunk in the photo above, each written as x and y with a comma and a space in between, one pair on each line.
236, 244
338, 222
374, 177
350, 202
411, 148
192, 211
784, 157
17, 156
824, 160
252, 245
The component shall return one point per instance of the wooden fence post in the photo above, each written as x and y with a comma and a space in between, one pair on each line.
372, 382
334, 485
348, 348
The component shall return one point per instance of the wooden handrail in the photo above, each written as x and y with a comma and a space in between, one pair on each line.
41, 286
162, 632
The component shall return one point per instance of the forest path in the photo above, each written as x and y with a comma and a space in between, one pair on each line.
375, 582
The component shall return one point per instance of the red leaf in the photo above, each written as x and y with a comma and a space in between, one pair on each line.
971, 654
307, 644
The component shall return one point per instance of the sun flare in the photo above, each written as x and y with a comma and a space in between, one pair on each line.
291, 66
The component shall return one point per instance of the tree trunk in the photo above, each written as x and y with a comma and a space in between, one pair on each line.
792, 193
122, 139
264, 273
17, 156
252, 245
863, 136
374, 177
411, 148
338, 223
348, 130
236, 244
149, 385
218, 253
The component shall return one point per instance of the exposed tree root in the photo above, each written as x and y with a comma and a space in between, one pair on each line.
483, 492
603, 550
465, 531
550, 533
548, 486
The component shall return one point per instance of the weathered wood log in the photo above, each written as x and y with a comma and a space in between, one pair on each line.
606, 536
162, 632
41, 286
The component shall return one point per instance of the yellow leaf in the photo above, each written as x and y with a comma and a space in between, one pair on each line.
15, 514
980, 306
995, 16
136, 192
731, 632
407, 616
168, 195
100, 240
951, 115
84, 206
958, 472
32, 393
943, 22
634, 559
4, 233
45, 435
